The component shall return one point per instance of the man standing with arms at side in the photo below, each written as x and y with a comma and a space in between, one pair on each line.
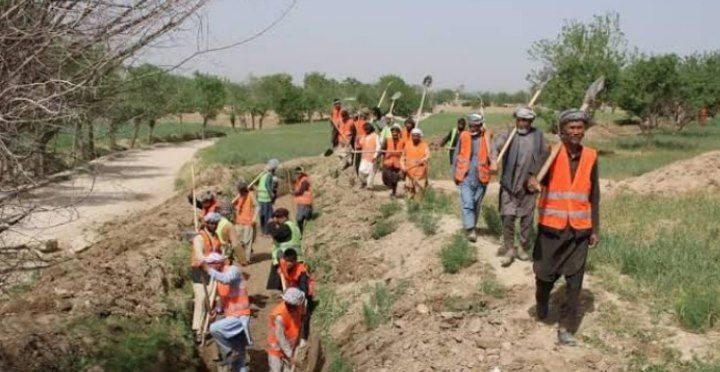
303, 197
451, 139
472, 172
267, 193
568, 223
523, 157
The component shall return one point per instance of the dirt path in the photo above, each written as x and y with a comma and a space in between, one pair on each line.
71, 211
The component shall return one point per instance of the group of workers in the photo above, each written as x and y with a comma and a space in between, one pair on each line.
566, 199
400, 150
566, 196
222, 244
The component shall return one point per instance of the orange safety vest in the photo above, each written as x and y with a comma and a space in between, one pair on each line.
306, 198
210, 244
345, 129
463, 161
335, 116
244, 210
393, 151
359, 129
292, 322
567, 199
414, 158
292, 278
234, 298
405, 135
367, 144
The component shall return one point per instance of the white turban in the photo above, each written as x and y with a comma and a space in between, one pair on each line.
524, 112
212, 217
294, 296
272, 164
416, 131
476, 119
214, 258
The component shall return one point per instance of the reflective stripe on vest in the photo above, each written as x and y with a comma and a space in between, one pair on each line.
306, 197
263, 195
566, 199
234, 298
221, 230
453, 135
292, 322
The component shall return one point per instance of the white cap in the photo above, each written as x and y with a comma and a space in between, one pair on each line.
214, 258
416, 131
293, 296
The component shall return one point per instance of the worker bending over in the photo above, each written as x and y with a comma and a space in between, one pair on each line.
284, 328
232, 331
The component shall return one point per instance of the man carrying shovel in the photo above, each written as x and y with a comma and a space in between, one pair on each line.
524, 156
568, 223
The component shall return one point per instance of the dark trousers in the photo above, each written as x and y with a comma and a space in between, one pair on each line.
569, 309
303, 213
305, 331
356, 162
266, 211
526, 226
390, 178
451, 154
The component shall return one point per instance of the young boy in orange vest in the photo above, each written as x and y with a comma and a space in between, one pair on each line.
284, 326
246, 218
568, 222
369, 146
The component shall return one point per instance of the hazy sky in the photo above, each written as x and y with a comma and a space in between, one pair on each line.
482, 44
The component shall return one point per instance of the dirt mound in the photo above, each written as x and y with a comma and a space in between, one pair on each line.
698, 174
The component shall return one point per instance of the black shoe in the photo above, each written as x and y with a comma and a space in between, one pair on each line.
542, 311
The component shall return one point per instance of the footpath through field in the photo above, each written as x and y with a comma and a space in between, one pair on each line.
71, 211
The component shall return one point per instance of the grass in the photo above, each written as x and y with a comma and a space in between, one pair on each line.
457, 254
489, 286
389, 209
426, 212
492, 218
382, 228
632, 156
669, 246
377, 309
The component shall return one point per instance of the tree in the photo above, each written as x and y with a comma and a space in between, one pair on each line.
699, 88
239, 101
408, 102
210, 97
319, 91
648, 89
578, 55
151, 89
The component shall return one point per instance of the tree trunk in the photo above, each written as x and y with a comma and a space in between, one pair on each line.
151, 131
43, 154
260, 122
180, 117
112, 135
252, 118
233, 118
204, 125
90, 154
136, 131
78, 140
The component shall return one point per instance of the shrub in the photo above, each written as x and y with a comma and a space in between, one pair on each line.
492, 219
490, 286
376, 310
457, 254
382, 228
389, 209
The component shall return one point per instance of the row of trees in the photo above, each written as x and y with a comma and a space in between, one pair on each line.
653, 88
